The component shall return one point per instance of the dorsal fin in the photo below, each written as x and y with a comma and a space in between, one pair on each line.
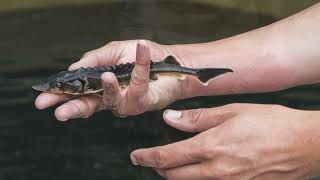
171, 60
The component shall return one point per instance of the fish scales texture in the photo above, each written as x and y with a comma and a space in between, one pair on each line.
164, 67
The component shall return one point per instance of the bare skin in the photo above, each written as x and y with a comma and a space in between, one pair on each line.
237, 141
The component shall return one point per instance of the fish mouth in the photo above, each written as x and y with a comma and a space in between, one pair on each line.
41, 87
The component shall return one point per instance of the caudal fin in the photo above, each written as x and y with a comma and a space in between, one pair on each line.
204, 75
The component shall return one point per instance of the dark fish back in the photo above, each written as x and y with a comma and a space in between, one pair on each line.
161, 67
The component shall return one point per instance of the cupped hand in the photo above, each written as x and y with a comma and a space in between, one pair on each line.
138, 97
238, 142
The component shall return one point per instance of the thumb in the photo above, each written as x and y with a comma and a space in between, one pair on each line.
197, 120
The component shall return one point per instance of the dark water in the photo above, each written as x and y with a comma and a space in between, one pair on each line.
36, 43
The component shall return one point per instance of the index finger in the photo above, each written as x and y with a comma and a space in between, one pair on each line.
105, 55
169, 156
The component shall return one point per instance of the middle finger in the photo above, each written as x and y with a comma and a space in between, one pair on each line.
82, 107
45, 100
111, 91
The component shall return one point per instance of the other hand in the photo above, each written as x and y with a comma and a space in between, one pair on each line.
238, 142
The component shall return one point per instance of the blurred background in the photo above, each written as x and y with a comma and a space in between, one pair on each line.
40, 37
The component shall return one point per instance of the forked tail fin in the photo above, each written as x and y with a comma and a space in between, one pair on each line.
206, 74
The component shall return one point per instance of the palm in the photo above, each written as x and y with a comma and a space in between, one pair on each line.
161, 92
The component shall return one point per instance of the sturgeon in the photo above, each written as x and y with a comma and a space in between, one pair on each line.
88, 80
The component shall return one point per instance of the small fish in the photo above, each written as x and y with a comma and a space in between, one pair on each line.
88, 80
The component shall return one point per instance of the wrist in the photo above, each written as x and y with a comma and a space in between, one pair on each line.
179, 52
191, 56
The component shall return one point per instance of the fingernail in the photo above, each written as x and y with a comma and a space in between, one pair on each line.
142, 49
134, 160
142, 43
172, 115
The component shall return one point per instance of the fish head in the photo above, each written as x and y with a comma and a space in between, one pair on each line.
61, 83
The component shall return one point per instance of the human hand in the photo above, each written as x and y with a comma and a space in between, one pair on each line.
139, 97
240, 142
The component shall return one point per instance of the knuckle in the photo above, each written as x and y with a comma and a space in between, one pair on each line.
196, 115
207, 152
89, 53
160, 159
113, 43
138, 79
92, 54
77, 107
111, 96
220, 116
81, 108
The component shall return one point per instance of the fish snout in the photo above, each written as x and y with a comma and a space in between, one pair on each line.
41, 87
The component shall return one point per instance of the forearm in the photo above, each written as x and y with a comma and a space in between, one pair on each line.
308, 133
298, 42
275, 57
